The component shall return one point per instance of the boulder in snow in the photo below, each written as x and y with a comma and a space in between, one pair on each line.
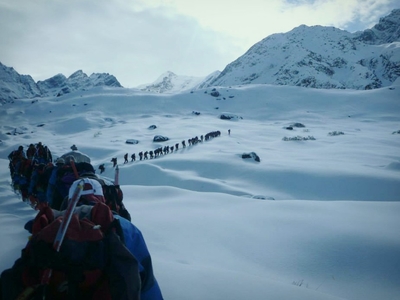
160, 138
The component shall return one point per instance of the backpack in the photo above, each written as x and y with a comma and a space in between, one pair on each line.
112, 193
93, 262
113, 196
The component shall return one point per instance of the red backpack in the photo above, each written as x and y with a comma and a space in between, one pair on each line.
93, 262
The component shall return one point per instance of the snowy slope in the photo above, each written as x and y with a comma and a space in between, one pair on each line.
208, 216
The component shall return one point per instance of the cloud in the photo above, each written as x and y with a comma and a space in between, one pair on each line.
134, 45
253, 20
139, 40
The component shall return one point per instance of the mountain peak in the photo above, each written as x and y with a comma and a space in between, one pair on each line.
77, 74
321, 57
386, 31
169, 82
15, 86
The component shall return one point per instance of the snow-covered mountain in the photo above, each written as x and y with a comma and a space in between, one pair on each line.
59, 84
322, 57
14, 85
169, 82
386, 31
316, 57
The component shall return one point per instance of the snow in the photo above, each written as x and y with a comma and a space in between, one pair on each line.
315, 219
315, 56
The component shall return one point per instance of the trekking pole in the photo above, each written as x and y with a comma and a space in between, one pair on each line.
62, 230
116, 176
73, 166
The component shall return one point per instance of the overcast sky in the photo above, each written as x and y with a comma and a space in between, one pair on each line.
138, 40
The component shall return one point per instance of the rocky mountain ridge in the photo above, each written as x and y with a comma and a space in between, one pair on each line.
307, 56
169, 82
321, 57
15, 86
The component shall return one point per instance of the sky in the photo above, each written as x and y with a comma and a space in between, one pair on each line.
139, 40
315, 219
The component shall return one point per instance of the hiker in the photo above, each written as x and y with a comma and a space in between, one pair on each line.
74, 148
102, 168
15, 158
30, 152
51, 187
133, 237
133, 157
19, 171
114, 161
229, 132
38, 184
114, 274
126, 158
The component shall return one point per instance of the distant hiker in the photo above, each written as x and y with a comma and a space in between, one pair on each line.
201, 138
30, 152
42, 155
114, 161
48, 156
15, 158
183, 144
126, 158
176, 146
151, 154
38, 185
17, 154
51, 187
102, 168
133, 157
229, 132
141, 155
74, 148
145, 155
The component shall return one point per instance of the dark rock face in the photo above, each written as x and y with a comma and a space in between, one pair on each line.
132, 142
152, 127
215, 93
16, 86
386, 31
160, 138
229, 117
298, 125
251, 155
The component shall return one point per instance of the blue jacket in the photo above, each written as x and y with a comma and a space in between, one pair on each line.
135, 243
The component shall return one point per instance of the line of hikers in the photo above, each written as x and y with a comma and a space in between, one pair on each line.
110, 263
162, 150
